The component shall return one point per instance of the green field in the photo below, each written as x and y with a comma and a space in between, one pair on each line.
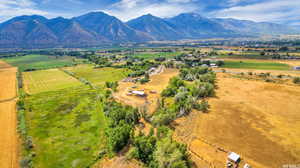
256, 65
38, 62
98, 75
156, 55
47, 80
67, 128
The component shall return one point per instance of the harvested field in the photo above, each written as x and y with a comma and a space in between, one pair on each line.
8, 83
8, 117
4, 65
156, 85
8, 135
47, 80
258, 120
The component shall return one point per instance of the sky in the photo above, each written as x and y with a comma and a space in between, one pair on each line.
277, 11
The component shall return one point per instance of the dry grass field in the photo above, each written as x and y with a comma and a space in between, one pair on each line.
47, 80
8, 117
258, 120
8, 135
157, 84
117, 162
8, 83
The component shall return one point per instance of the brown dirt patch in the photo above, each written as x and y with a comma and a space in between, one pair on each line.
4, 65
258, 120
157, 83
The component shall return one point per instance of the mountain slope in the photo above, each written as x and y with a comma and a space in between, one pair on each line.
257, 28
158, 28
110, 27
192, 25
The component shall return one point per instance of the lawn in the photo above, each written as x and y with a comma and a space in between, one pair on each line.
98, 75
38, 62
67, 127
156, 55
256, 65
47, 80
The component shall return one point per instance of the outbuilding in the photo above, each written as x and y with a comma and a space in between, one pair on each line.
234, 157
297, 68
138, 93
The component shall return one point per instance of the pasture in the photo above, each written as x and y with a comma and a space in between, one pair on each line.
47, 80
38, 62
98, 76
66, 126
255, 64
258, 120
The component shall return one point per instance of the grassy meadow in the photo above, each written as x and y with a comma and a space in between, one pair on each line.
39, 62
67, 127
47, 80
98, 75
247, 64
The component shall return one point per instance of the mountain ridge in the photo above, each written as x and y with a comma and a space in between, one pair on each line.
97, 28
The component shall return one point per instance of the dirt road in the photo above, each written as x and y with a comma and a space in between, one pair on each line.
8, 118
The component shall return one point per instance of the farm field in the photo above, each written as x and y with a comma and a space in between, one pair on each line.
47, 80
8, 117
4, 65
157, 83
38, 62
98, 75
67, 127
255, 64
8, 83
258, 120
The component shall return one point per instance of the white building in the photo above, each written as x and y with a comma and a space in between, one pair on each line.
234, 157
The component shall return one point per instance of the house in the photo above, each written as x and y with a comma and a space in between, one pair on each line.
234, 157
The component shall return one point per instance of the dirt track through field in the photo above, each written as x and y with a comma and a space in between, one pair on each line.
8, 117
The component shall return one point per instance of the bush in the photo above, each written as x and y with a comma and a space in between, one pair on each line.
296, 80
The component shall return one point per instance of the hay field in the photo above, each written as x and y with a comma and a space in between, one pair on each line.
47, 80
157, 83
258, 120
98, 75
8, 117
8, 135
8, 83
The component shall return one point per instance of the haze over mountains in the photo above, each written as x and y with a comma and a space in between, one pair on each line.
98, 28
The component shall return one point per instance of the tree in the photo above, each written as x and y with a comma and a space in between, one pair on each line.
296, 80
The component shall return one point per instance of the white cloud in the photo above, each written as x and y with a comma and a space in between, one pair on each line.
275, 10
129, 9
14, 8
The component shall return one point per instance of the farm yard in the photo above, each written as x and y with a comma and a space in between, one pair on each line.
47, 80
256, 119
98, 76
38, 62
157, 83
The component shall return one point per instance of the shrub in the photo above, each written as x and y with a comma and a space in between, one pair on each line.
296, 80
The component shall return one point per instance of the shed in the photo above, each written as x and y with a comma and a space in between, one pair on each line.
138, 93
234, 157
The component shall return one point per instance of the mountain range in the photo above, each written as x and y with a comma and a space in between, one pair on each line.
98, 28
